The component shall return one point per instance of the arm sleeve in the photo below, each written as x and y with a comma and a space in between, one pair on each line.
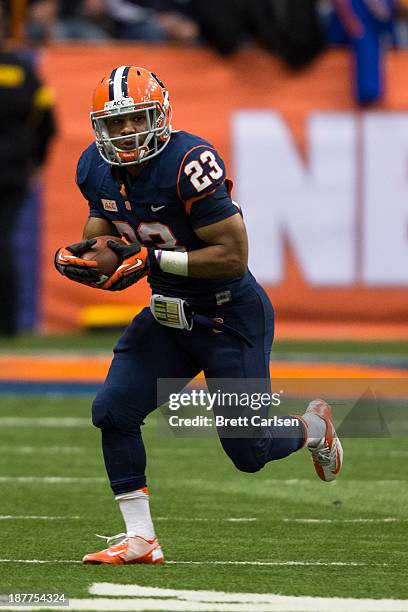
203, 187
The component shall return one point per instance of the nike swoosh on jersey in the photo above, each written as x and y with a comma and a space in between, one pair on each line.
157, 208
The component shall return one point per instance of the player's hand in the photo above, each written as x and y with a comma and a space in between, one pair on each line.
68, 262
134, 266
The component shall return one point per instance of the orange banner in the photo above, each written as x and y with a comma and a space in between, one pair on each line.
205, 92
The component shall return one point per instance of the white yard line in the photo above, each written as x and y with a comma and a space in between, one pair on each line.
355, 520
171, 605
197, 519
134, 590
51, 479
40, 561
44, 422
56, 479
312, 482
16, 517
254, 563
206, 519
141, 599
280, 604
43, 450
284, 520
279, 563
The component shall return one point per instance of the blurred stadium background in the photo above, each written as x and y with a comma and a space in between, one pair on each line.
311, 116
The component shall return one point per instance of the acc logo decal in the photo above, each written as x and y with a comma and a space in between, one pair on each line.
119, 103
109, 205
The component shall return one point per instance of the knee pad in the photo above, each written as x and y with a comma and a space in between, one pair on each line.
111, 409
101, 411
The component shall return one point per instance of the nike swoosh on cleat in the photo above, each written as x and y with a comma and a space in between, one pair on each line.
157, 208
117, 552
338, 464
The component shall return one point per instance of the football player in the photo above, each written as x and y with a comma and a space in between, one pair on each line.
166, 193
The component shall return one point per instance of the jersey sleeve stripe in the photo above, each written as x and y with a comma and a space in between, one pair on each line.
188, 203
206, 147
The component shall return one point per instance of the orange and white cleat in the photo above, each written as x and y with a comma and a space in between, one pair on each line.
327, 455
123, 549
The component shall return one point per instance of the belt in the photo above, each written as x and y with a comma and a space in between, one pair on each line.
176, 312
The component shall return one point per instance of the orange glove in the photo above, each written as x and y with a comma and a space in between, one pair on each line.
134, 266
68, 262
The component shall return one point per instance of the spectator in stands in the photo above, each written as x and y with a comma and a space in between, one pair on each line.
84, 20
42, 19
26, 128
289, 28
68, 20
154, 21
363, 24
99, 20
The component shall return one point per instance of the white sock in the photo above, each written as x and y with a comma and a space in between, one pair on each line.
316, 428
135, 510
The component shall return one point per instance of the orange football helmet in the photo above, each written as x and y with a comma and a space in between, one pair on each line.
136, 91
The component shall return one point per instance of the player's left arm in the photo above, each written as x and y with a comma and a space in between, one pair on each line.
205, 191
226, 255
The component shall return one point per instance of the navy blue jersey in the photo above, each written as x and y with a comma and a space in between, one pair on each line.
182, 189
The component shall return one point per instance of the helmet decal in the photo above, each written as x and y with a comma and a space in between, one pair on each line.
118, 86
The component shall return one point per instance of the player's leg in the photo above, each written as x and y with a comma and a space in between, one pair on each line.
226, 357
146, 352
229, 358
322, 440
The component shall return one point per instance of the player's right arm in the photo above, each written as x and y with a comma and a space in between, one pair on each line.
95, 226
68, 260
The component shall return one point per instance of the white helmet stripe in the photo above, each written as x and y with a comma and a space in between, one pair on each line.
117, 83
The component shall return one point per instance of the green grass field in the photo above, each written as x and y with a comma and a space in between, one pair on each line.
346, 539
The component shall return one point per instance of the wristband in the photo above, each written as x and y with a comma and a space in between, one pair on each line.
172, 262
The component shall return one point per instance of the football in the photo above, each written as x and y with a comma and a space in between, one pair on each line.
107, 259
